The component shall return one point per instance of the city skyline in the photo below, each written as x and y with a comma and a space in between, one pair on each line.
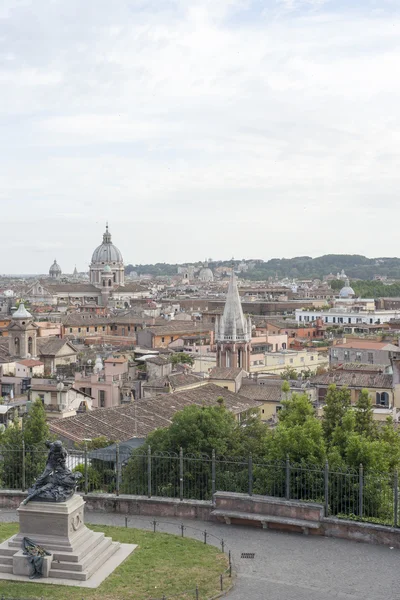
198, 129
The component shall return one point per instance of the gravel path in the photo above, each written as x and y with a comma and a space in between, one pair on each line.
286, 566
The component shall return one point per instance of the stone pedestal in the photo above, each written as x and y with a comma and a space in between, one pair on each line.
77, 553
21, 565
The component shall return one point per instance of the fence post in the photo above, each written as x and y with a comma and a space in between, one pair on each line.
360, 490
326, 488
396, 498
23, 483
213, 471
250, 474
149, 471
117, 482
86, 468
287, 484
181, 473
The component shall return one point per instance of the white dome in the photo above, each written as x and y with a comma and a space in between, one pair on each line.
347, 291
21, 312
8, 294
206, 275
55, 268
106, 252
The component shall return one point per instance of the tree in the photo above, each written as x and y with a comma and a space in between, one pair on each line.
364, 416
204, 429
289, 373
181, 357
337, 404
36, 429
33, 431
296, 410
298, 433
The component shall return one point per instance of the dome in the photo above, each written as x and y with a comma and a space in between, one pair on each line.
55, 268
107, 269
206, 275
21, 312
106, 252
9, 294
347, 291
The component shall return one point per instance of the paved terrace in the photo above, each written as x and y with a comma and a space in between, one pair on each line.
287, 566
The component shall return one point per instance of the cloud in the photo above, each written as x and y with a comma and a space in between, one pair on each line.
257, 122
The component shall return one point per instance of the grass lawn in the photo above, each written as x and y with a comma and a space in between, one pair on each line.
161, 564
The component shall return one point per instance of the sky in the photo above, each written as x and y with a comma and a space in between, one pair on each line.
198, 128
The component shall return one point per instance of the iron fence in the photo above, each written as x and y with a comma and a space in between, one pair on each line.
351, 494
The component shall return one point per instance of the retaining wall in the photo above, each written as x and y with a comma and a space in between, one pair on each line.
196, 509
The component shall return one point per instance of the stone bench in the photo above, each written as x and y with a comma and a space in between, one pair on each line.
265, 520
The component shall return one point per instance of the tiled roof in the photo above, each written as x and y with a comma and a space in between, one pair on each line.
176, 381
118, 360
352, 379
144, 416
367, 345
157, 360
265, 393
225, 373
49, 346
180, 327
30, 362
361, 367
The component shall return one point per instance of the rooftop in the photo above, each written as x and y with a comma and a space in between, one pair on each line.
138, 419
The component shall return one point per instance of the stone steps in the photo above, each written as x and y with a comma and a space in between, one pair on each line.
92, 565
91, 542
5, 568
68, 565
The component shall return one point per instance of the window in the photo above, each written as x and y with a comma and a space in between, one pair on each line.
358, 356
300, 318
302, 358
70, 329
87, 329
102, 398
349, 320
79, 329
382, 399
172, 338
104, 328
162, 340
95, 328
311, 358
291, 361
371, 358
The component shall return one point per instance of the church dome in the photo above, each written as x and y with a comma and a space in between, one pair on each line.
206, 275
106, 252
347, 291
55, 268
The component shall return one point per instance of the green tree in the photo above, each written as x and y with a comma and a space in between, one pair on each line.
181, 357
364, 416
337, 404
35, 427
289, 373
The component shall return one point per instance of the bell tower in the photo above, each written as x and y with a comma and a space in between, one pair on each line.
233, 331
22, 333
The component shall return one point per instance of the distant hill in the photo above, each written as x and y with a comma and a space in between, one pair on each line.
355, 266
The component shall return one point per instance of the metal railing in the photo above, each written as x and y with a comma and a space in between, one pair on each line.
352, 494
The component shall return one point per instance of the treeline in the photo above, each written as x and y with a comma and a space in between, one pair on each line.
356, 266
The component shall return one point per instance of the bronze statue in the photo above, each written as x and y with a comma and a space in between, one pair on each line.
57, 483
